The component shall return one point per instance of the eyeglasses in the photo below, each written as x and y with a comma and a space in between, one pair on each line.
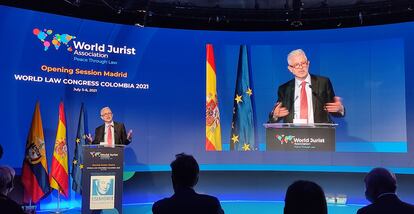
106, 114
300, 65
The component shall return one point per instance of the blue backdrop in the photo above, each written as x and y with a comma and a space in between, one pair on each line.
370, 68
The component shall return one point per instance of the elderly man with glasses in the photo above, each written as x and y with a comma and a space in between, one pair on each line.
307, 98
110, 133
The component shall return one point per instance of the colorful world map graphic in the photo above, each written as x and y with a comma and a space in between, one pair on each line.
57, 40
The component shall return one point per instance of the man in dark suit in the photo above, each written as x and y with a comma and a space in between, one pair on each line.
306, 98
185, 200
380, 186
110, 132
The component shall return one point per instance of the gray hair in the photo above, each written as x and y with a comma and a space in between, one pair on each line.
296, 52
106, 107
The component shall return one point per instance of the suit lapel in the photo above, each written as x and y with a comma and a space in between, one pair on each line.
290, 96
102, 132
116, 132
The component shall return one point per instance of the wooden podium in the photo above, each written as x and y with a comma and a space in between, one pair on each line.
102, 178
300, 137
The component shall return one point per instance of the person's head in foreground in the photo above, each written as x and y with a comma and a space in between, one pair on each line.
379, 181
305, 197
185, 171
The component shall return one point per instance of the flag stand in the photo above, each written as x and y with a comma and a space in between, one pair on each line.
29, 208
58, 203
58, 210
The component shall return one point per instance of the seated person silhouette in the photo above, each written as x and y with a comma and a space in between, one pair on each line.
185, 200
380, 187
7, 205
305, 197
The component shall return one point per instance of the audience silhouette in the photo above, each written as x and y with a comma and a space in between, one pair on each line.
7, 205
305, 197
185, 200
380, 188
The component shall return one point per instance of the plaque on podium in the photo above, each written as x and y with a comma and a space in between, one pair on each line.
102, 178
300, 137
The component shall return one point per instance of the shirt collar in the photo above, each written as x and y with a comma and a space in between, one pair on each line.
299, 82
385, 194
109, 124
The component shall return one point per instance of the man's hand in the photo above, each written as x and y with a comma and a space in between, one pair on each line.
336, 106
280, 111
89, 138
129, 135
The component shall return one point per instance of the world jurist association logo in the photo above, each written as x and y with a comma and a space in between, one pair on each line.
284, 138
47, 39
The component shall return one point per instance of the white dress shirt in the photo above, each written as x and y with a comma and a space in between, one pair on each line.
106, 132
298, 87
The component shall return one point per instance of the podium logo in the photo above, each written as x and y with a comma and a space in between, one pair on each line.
95, 154
57, 40
285, 139
103, 156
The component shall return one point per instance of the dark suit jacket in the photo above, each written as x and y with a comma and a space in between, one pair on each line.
8, 206
187, 201
387, 204
322, 93
119, 131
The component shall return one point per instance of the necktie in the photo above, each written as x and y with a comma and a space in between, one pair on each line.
109, 140
303, 102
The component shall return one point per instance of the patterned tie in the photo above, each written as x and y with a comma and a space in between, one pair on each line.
303, 102
109, 135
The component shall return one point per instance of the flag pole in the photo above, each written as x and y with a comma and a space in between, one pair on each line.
58, 202
57, 211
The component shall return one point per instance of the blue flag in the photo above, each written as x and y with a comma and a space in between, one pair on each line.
243, 123
77, 163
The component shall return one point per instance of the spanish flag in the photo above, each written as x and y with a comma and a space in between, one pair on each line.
34, 171
59, 178
213, 130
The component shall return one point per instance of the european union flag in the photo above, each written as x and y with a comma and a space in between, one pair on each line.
77, 164
243, 123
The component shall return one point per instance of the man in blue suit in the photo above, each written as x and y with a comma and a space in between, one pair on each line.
185, 200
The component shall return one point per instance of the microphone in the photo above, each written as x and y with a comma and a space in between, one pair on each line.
321, 102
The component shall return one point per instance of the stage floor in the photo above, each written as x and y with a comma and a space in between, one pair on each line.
230, 207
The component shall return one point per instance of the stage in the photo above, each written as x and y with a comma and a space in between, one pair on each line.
258, 207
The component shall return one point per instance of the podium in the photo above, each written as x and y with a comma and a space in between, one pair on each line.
300, 137
102, 178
